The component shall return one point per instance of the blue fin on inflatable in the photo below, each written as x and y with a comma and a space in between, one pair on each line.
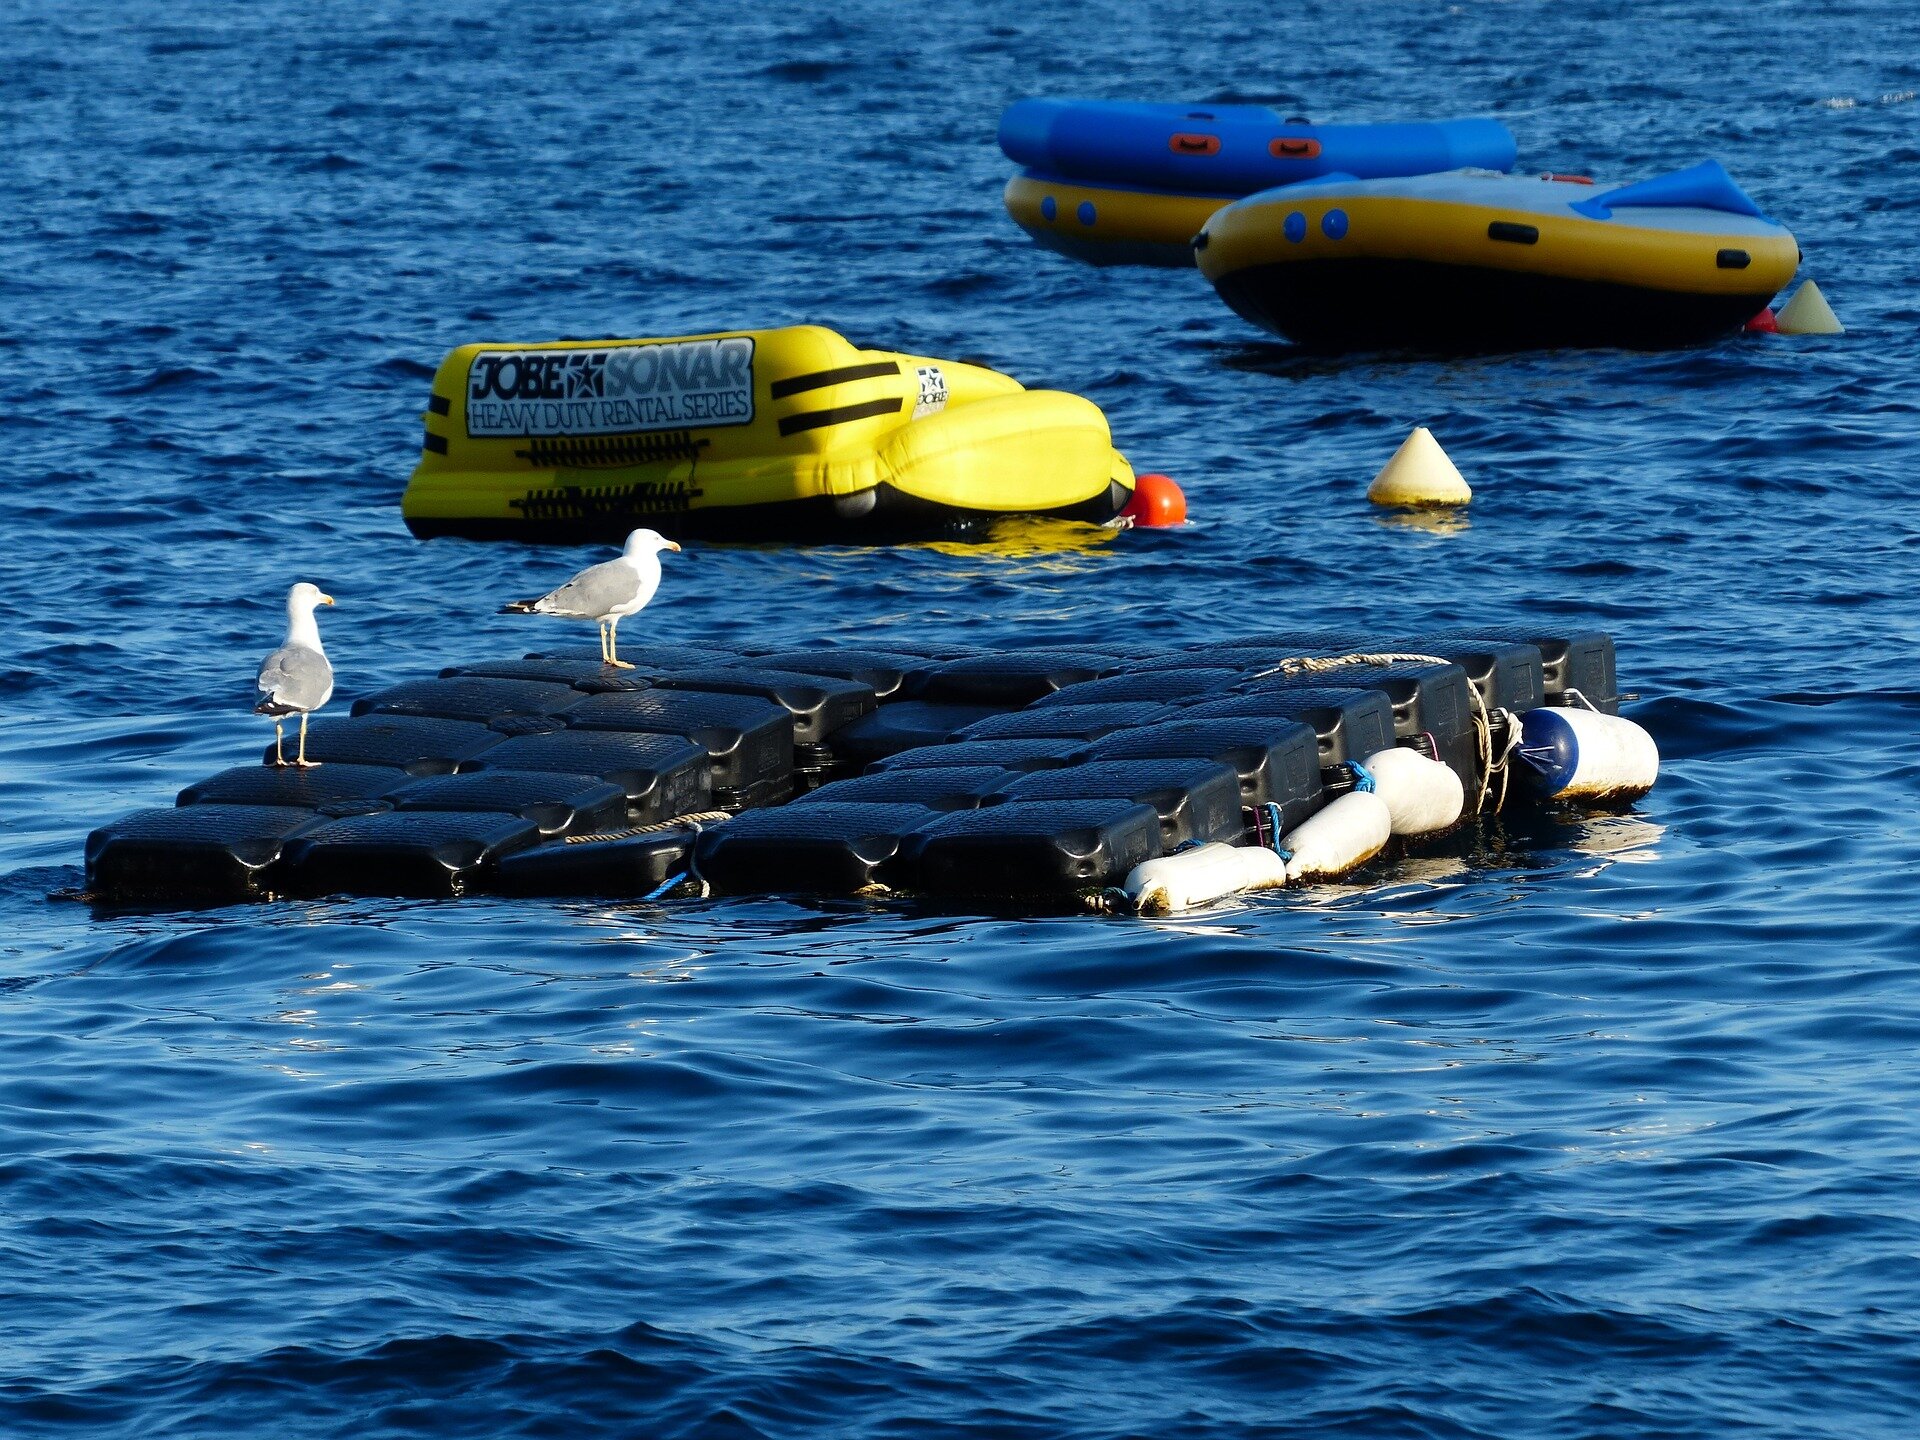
1705, 186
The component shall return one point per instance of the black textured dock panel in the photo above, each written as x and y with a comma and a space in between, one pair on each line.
1167, 687
343, 788
807, 849
663, 776
938, 787
749, 740
1349, 724
480, 698
1277, 760
932, 649
884, 670
617, 867
1580, 660
663, 659
1011, 678
1031, 848
589, 676
1065, 722
413, 743
1045, 753
194, 853
1508, 674
559, 803
403, 852
819, 704
1431, 700
1197, 800
902, 725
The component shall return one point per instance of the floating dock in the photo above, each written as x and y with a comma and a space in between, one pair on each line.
1040, 776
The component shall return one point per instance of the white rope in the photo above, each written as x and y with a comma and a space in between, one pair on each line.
694, 822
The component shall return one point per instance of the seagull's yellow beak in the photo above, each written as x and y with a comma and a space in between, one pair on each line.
326, 599
671, 546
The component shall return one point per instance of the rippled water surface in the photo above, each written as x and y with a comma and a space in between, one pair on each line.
1607, 1130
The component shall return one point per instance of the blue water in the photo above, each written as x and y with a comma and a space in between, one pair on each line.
1608, 1129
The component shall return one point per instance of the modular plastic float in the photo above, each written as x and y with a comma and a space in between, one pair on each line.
1129, 183
1471, 260
1038, 777
747, 434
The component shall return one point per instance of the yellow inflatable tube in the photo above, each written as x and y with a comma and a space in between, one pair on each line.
1108, 225
788, 433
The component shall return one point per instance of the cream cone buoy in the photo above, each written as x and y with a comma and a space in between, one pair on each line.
1419, 474
1808, 313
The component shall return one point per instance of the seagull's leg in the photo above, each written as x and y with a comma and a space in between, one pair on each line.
605, 659
613, 646
279, 735
303, 762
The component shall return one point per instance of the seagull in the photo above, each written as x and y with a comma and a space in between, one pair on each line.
607, 593
296, 679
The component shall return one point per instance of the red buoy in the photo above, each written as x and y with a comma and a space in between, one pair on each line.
1763, 324
1156, 501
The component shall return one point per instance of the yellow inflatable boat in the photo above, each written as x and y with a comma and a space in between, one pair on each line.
1475, 260
743, 434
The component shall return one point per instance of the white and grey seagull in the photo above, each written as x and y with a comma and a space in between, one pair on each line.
296, 679
606, 594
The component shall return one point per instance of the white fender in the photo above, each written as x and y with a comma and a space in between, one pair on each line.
1422, 795
1584, 755
1207, 872
1342, 837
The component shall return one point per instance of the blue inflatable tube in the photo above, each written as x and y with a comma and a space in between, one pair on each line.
1233, 149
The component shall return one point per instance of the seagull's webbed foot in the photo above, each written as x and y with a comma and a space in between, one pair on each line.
304, 764
621, 664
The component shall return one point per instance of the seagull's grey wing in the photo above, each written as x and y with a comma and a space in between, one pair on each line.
294, 678
596, 591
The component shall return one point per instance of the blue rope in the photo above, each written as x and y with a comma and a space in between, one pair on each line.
1363, 778
663, 887
1272, 813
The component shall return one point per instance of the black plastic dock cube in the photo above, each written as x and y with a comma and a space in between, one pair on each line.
1172, 686
1045, 753
612, 867
587, 676
1028, 849
900, 726
432, 853
938, 787
1570, 659
340, 789
884, 671
1508, 674
1431, 701
749, 740
806, 849
415, 744
1065, 722
819, 704
1349, 724
1011, 678
661, 659
479, 698
1196, 800
1277, 760
662, 776
559, 803
196, 854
